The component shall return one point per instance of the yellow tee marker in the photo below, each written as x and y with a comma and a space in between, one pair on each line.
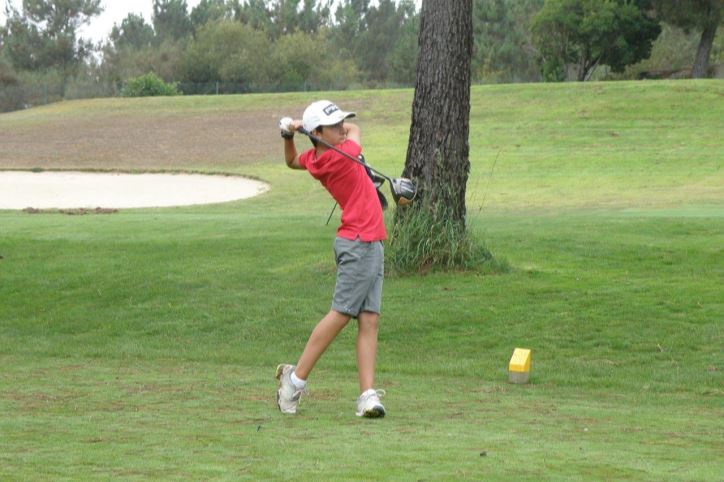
519, 366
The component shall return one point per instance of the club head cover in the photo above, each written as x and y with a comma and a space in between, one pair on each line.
403, 190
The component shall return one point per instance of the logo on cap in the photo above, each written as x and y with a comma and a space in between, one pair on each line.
330, 109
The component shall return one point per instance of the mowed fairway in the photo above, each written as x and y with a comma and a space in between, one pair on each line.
141, 345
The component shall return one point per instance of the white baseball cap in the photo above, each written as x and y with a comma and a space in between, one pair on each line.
323, 113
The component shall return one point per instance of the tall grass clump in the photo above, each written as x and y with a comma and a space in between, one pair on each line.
428, 237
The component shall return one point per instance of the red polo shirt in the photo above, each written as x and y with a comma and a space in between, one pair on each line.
352, 188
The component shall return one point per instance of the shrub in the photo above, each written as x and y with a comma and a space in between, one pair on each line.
11, 94
148, 85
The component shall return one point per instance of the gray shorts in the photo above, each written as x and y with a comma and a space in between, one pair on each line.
360, 272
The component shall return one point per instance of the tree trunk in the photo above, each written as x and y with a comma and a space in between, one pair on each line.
581, 71
701, 64
437, 153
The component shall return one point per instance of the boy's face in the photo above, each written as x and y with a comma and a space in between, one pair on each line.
335, 134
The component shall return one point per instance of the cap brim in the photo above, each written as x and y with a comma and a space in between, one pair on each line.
338, 117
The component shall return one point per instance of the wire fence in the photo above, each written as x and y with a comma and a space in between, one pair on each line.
23, 96
18, 97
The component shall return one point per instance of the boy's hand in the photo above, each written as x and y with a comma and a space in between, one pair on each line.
288, 127
286, 124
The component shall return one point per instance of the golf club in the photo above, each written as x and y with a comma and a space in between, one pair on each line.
403, 190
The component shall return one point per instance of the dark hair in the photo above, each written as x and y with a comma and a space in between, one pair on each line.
314, 142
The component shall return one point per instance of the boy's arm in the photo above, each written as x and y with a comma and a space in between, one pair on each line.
353, 133
291, 156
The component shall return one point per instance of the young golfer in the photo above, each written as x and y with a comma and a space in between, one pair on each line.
358, 251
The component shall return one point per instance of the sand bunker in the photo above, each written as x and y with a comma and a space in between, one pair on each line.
47, 190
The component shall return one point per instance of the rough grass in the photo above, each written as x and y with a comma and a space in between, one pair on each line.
426, 238
141, 345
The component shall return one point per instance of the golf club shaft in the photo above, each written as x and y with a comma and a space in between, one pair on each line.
340, 151
330, 213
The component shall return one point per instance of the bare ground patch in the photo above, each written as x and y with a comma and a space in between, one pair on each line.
71, 212
217, 134
137, 141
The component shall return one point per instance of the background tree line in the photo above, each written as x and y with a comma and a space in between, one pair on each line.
281, 45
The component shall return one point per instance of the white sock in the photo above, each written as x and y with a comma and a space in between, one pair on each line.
298, 382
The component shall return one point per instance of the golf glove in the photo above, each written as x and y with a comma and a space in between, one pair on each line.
285, 125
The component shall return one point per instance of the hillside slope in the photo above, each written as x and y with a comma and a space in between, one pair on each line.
616, 144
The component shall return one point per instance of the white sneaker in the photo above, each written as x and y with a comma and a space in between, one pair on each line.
288, 395
368, 404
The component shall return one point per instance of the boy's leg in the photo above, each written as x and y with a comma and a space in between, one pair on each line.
368, 403
367, 349
322, 336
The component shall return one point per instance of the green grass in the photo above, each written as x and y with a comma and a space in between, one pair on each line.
142, 345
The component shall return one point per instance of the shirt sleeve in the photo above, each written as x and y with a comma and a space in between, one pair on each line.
351, 148
303, 158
